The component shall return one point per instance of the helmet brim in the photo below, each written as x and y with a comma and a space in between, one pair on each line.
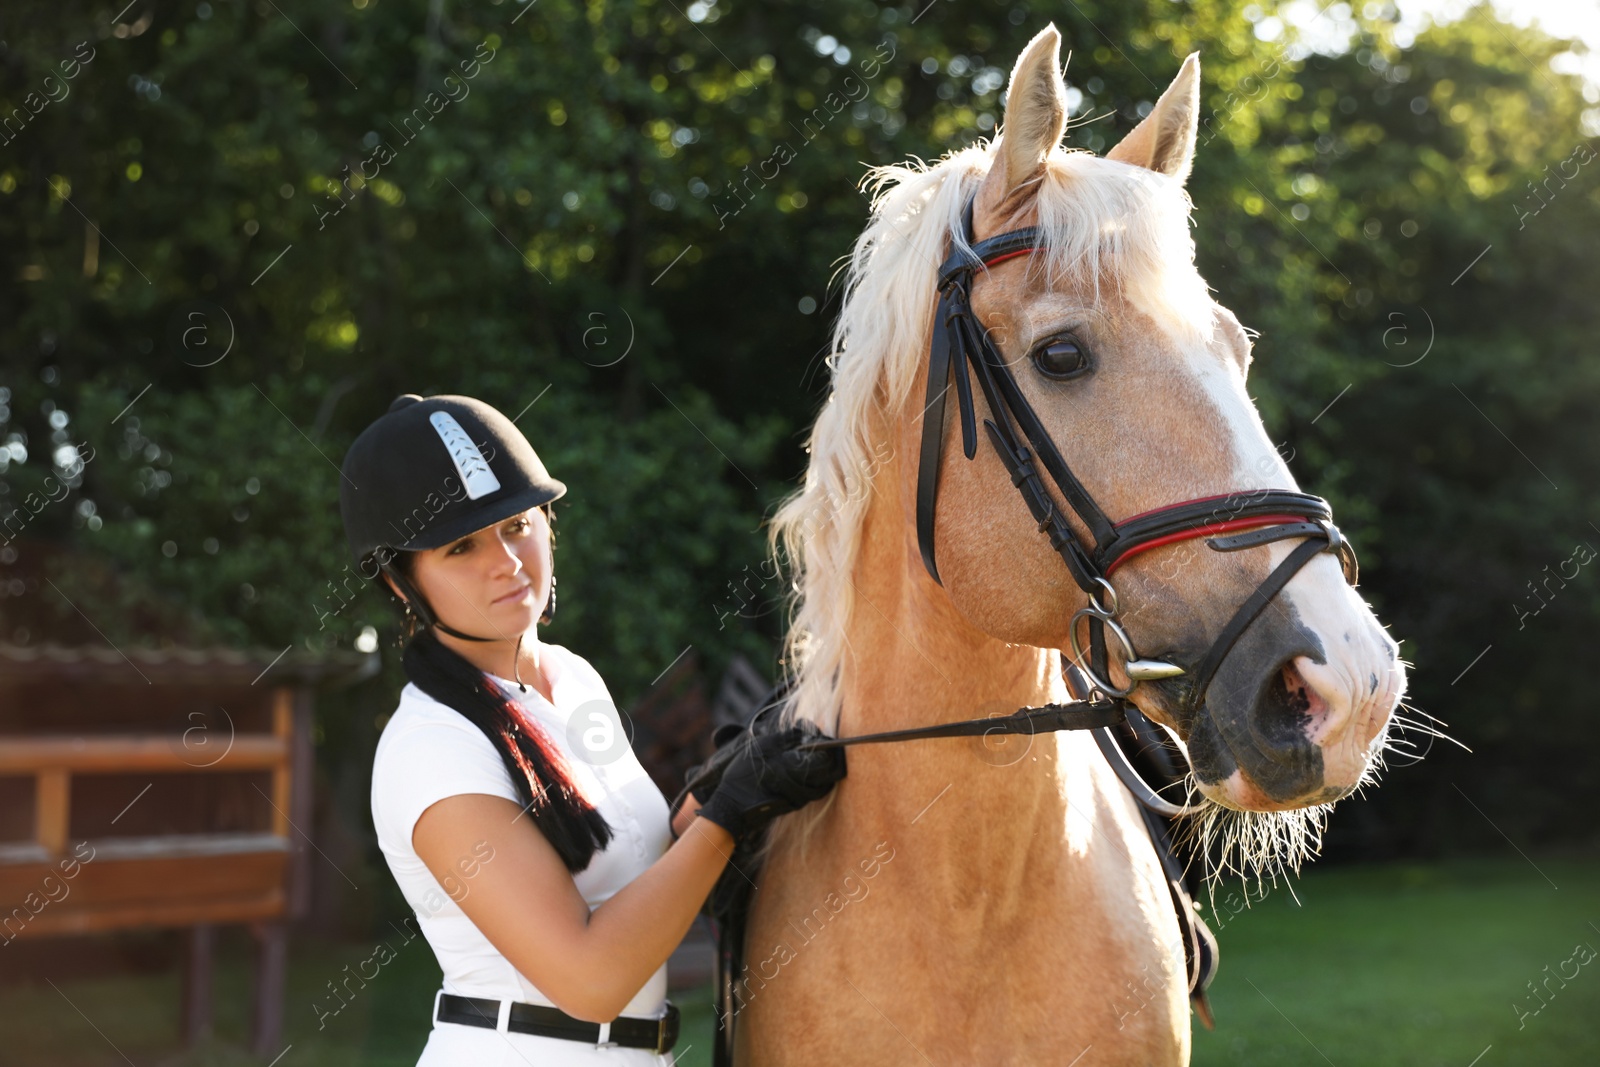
440, 534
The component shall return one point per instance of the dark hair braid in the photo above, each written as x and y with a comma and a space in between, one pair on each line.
539, 770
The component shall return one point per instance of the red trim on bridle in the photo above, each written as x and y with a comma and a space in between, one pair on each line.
1009, 255
1200, 531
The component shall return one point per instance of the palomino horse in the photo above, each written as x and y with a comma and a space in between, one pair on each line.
956, 901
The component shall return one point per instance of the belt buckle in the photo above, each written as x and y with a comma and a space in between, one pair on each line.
666, 1030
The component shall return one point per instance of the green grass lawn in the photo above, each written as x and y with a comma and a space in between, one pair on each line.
1403, 965
1411, 965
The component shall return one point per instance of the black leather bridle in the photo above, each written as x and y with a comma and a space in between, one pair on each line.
1230, 522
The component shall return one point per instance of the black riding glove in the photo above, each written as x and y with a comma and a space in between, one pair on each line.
702, 778
767, 775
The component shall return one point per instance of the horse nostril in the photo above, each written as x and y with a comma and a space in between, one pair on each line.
1302, 696
1288, 710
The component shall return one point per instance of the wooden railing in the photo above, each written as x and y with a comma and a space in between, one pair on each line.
53, 760
80, 874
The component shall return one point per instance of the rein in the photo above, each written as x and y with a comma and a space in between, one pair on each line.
1230, 522
1076, 715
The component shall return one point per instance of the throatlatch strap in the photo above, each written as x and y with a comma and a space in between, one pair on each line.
933, 436
956, 342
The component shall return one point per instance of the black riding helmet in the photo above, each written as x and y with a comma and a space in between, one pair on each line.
429, 471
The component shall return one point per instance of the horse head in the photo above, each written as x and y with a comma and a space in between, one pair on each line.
1140, 379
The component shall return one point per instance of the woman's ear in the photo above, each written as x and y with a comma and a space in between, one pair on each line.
395, 589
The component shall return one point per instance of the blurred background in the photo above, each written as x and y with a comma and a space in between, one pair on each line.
232, 231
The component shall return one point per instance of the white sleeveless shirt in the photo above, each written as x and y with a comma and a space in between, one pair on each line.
429, 751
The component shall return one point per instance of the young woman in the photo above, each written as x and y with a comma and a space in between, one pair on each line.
535, 850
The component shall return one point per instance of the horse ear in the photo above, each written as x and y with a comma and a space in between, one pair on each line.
1164, 141
1036, 116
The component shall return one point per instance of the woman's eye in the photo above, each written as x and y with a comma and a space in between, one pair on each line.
459, 547
1061, 358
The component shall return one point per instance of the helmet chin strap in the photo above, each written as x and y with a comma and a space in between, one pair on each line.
453, 632
419, 606
516, 664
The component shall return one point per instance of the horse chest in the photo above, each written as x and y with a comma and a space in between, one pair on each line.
965, 971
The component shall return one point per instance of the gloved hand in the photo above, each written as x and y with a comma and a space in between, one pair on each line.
767, 775
701, 780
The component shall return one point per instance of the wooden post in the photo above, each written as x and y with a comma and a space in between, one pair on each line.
282, 728
302, 771
197, 976
52, 809
272, 971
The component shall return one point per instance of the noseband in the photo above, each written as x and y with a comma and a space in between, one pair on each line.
1229, 522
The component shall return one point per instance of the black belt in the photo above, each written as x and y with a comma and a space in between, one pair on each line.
629, 1032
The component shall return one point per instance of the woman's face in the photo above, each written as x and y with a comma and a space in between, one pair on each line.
493, 582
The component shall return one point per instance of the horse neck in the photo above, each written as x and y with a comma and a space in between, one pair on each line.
912, 660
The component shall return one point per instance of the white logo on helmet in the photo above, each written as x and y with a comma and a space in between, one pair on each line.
476, 476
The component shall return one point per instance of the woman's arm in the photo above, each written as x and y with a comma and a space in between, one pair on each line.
527, 905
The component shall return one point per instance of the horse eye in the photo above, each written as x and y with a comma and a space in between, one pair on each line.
1061, 358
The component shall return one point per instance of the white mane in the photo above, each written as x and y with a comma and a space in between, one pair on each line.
1102, 221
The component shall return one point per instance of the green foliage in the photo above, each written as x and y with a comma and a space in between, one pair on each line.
1432, 284
629, 220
